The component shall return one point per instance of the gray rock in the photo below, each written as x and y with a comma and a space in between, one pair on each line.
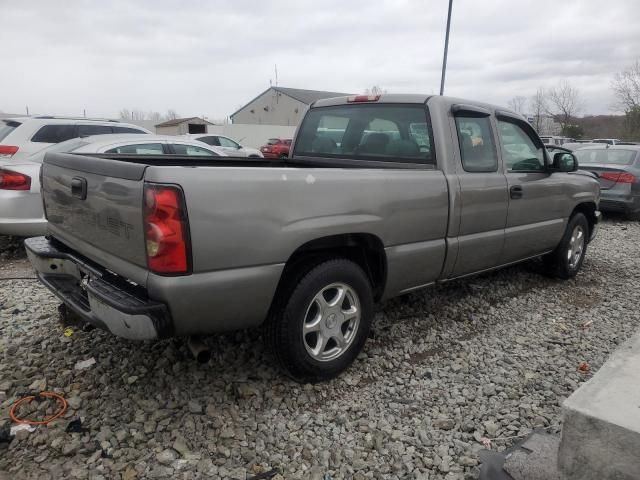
444, 423
195, 407
491, 428
166, 457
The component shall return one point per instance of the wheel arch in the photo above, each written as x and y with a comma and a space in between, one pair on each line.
588, 209
364, 249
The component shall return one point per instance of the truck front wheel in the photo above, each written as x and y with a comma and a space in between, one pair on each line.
565, 261
323, 323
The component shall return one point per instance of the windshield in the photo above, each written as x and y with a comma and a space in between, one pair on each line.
605, 156
7, 126
273, 141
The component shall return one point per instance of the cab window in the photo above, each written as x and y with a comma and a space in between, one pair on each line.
378, 132
477, 147
519, 149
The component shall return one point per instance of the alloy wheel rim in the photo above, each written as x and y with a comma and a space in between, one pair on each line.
576, 246
331, 322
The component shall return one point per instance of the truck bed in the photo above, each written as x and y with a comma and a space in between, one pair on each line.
244, 212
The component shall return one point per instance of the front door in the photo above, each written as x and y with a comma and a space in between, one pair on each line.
483, 195
535, 222
232, 148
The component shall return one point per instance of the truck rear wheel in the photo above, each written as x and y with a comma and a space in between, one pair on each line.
566, 260
322, 321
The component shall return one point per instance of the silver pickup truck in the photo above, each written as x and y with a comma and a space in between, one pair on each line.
381, 195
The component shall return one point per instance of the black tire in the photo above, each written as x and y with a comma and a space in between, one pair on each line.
558, 263
284, 155
284, 328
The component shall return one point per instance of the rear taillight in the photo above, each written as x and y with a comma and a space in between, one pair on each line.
618, 177
363, 98
166, 230
10, 180
7, 150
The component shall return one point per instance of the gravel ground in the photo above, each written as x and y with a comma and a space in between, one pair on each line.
490, 358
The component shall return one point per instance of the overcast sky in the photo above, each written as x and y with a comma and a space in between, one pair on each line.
209, 58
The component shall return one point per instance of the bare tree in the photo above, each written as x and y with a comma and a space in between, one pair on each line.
539, 106
626, 87
375, 90
171, 114
565, 103
518, 104
125, 114
155, 116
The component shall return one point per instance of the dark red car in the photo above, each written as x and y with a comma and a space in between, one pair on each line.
276, 148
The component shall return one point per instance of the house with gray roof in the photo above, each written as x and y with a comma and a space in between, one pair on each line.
279, 106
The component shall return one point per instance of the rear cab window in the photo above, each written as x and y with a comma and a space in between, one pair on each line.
382, 132
6, 127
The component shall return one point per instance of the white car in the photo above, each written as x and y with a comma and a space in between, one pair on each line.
22, 137
21, 211
608, 141
233, 148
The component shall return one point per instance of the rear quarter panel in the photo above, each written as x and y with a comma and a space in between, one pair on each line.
246, 217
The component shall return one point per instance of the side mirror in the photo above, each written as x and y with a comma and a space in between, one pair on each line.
565, 162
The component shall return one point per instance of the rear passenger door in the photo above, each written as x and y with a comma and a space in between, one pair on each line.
537, 198
483, 192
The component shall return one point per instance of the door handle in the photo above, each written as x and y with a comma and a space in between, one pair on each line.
79, 187
515, 191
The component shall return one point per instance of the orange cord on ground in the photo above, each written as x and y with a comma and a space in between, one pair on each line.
29, 398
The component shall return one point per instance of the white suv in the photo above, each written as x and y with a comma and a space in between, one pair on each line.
22, 142
21, 137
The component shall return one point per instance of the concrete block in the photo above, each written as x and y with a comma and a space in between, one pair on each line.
601, 429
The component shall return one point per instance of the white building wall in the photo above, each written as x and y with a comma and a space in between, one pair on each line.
181, 128
271, 108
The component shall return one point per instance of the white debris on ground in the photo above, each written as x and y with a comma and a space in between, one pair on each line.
481, 361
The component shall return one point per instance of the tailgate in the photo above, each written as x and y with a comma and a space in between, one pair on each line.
94, 206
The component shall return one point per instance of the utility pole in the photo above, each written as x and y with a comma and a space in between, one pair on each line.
446, 49
27, 107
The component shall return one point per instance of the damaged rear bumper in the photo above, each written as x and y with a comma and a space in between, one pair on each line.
98, 296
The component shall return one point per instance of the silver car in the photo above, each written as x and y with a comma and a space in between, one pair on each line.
618, 171
231, 147
21, 211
